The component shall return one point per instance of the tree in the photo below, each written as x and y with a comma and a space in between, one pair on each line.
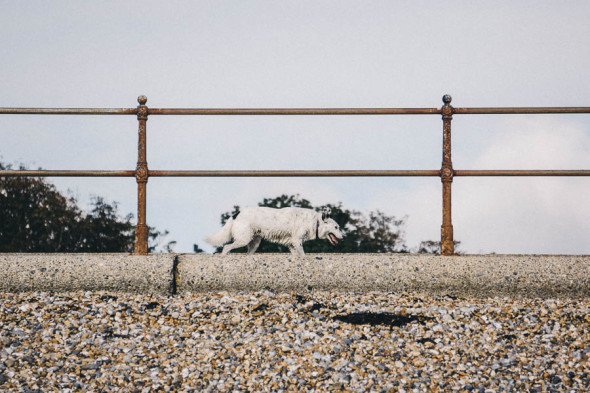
375, 233
433, 247
197, 249
35, 217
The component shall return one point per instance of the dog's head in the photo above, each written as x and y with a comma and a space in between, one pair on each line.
329, 229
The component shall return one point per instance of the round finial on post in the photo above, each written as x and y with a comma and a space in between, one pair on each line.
142, 100
447, 99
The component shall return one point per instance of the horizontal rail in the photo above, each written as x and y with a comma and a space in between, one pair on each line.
289, 111
67, 111
273, 173
51, 173
295, 173
296, 111
221, 111
522, 172
524, 110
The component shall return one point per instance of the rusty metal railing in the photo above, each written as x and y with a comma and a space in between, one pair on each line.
142, 173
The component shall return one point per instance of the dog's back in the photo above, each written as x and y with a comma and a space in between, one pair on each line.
268, 219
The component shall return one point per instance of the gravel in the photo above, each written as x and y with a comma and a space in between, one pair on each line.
299, 342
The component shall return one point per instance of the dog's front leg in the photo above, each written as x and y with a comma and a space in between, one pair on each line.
297, 248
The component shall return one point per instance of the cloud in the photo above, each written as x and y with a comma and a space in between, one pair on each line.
500, 214
527, 215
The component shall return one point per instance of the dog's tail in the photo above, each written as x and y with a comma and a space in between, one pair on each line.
223, 236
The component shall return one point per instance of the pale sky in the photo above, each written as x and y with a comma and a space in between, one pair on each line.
264, 54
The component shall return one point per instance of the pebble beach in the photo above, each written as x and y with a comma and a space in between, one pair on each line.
291, 342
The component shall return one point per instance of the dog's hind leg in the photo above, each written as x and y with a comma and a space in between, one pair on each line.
253, 245
232, 246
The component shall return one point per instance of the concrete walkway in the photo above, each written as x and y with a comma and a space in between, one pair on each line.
468, 275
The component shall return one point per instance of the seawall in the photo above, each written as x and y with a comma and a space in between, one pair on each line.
543, 276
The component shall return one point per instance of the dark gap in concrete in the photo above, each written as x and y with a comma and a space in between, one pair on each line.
174, 283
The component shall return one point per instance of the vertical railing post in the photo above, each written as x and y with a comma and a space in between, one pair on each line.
141, 175
447, 246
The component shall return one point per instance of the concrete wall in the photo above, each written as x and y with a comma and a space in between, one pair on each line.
86, 272
471, 275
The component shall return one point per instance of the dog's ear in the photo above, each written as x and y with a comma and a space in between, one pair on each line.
326, 211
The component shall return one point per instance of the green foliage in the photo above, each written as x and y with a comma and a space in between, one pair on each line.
433, 247
197, 249
375, 233
429, 247
35, 217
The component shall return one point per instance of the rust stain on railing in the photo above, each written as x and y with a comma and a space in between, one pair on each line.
142, 173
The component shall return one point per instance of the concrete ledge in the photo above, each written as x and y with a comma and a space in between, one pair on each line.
86, 272
470, 275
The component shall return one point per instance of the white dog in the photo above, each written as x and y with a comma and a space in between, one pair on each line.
290, 226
